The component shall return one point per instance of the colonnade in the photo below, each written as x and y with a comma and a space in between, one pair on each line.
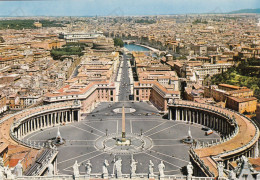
220, 121
45, 120
204, 117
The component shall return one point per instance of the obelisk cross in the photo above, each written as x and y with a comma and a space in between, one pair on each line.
123, 124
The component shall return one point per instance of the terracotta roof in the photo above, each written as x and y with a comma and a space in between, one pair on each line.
242, 99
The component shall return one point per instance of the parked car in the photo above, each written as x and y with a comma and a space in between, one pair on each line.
205, 128
208, 132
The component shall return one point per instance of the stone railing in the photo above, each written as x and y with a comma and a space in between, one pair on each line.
124, 176
201, 163
43, 161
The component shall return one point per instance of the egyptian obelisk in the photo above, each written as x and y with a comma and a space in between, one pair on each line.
123, 124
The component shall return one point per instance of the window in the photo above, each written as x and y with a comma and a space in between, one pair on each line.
137, 92
111, 93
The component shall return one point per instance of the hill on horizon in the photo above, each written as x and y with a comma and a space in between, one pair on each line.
256, 11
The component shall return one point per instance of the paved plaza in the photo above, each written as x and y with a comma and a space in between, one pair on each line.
153, 138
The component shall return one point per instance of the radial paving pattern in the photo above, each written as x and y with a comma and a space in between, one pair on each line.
94, 138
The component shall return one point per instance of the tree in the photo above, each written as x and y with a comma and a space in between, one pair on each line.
2, 40
118, 42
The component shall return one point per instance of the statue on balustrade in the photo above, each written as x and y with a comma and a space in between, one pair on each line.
76, 169
8, 172
104, 169
190, 169
118, 167
220, 169
50, 169
2, 175
88, 167
161, 168
19, 169
170, 101
151, 165
231, 175
133, 167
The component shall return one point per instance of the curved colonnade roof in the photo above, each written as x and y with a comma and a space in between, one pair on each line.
246, 134
15, 150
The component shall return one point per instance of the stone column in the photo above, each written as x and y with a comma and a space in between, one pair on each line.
55, 118
61, 117
186, 114
36, 123
21, 127
58, 118
197, 119
31, 125
51, 116
26, 126
256, 150
78, 115
177, 115
23, 133
19, 132
71, 115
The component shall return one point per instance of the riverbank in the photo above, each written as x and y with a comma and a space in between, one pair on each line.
139, 47
148, 47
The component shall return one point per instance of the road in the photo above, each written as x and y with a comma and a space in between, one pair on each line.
124, 89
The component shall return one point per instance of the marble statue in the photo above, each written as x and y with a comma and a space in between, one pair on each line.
133, 167
50, 169
220, 169
76, 169
170, 101
19, 169
151, 165
1, 168
231, 175
190, 169
88, 167
104, 169
256, 151
118, 167
161, 168
8, 172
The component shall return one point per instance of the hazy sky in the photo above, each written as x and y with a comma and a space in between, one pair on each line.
120, 7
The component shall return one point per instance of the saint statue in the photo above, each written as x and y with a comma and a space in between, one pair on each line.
50, 169
8, 172
88, 167
190, 169
104, 168
151, 165
220, 169
133, 167
2, 168
76, 168
19, 169
161, 168
118, 166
